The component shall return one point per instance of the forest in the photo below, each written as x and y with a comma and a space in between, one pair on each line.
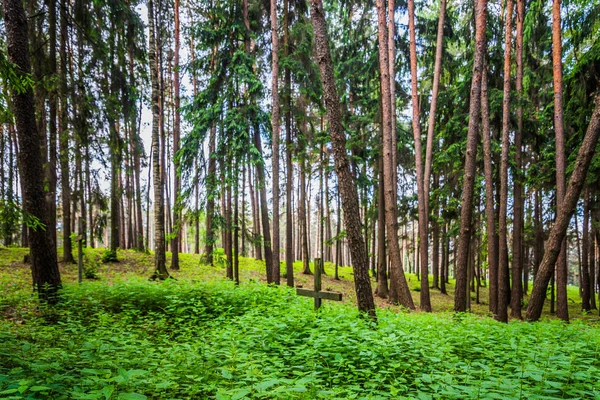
299, 199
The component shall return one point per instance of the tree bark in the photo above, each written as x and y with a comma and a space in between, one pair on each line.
434, 97
175, 241
160, 268
63, 135
399, 291
585, 247
52, 125
382, 279
592, 250
443, 273
562, 307
423, 202
564, 214
492, 242
44, 265
346, 183
466, 214
289, 184
275, 123
435, 253
302, 217
503, 289
517, 261
255, 217
391, 47
264, 211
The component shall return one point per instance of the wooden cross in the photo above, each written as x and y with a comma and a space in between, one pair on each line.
317, 294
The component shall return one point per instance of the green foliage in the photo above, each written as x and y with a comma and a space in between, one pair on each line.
90, 265
137, 339
109, 256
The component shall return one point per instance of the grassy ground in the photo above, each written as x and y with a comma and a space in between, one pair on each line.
200, 337
132, 264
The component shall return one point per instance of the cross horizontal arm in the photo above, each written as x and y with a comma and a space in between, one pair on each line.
319, 295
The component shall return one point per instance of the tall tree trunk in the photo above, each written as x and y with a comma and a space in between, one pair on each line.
592, 250
460, 296
434, 97
328, 234
564, 214
492, 242
160, 268
346, 183
382, 279
302, 218
44, 265
399, 291
289, 184
538, 251
236, 226
264, 211
503, 289
430, 136
585, 267
423, 202
517, 261
275, 121
562, 310
63, 135
211, 185
338, 253
435, 253
111, 92
228, 229
391, 48
444, 268
137, 149
52, 125
175, 242
255, 217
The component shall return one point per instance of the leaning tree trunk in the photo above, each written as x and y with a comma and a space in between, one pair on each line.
423, 202
564, 214
562, 309
346, 183
466, 214
44, 265
399, 291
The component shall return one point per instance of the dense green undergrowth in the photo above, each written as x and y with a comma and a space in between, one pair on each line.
177, 339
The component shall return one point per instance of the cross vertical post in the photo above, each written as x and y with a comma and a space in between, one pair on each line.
317, 276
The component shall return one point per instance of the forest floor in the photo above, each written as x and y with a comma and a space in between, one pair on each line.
199, 336
137, 264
